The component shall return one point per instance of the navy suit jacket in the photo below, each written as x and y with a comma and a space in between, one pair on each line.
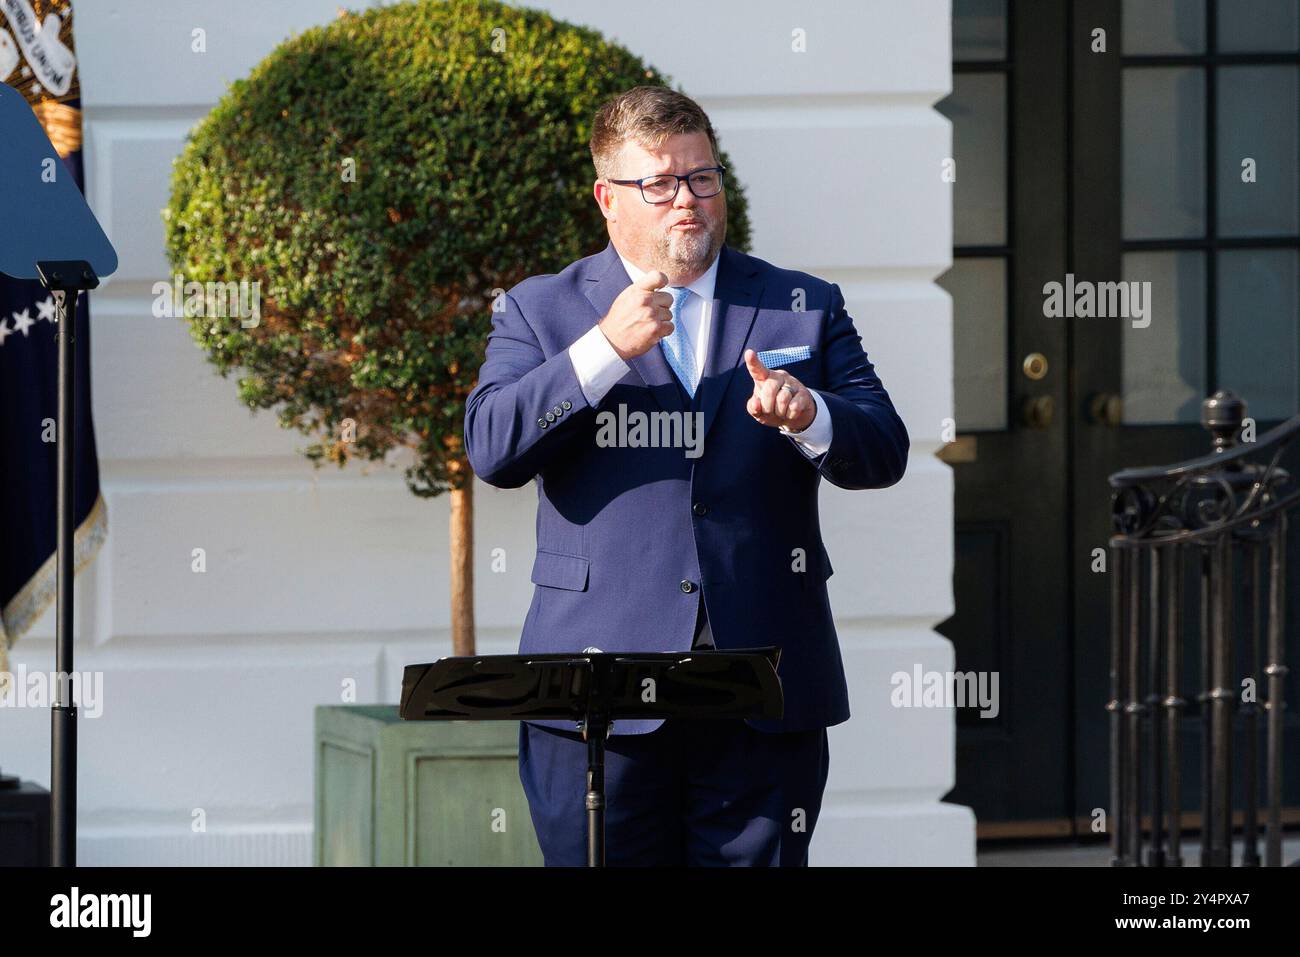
629, 539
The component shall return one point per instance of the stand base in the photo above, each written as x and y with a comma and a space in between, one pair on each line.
24, 826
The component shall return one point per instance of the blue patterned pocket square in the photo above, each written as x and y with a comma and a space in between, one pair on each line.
772, 358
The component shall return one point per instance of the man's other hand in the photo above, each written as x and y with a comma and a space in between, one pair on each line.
779, 398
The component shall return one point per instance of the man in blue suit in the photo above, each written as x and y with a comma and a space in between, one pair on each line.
678, 436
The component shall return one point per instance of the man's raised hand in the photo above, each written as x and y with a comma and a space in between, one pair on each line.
639, 317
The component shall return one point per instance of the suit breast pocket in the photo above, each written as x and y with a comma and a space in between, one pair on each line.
802, 362
558, 570
784, 357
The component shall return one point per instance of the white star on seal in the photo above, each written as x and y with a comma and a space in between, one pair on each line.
5, 331
23, 321
46, 309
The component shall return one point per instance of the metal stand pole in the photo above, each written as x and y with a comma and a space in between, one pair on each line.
62, 277
63, 714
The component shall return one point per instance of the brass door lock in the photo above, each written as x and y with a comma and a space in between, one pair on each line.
1105, 408
1037, 412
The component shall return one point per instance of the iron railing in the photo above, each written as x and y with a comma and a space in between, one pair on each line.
1204, 512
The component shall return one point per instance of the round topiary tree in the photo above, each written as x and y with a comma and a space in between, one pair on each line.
384, 178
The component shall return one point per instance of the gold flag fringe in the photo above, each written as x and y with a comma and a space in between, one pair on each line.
62, 125
40, 591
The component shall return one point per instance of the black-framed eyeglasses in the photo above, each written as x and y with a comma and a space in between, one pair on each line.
662, 187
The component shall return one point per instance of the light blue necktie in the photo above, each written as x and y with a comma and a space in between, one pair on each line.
677, 347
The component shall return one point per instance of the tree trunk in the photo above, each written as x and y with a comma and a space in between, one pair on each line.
462, 569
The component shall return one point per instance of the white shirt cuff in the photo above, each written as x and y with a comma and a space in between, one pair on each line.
815, 439
596, 364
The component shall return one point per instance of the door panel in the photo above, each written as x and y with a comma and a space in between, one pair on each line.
1010, 580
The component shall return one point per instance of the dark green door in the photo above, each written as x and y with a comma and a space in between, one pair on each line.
1148, 141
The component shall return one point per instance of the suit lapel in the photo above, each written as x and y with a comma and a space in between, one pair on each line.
736, 295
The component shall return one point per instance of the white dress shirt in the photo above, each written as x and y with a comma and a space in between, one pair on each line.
598, 367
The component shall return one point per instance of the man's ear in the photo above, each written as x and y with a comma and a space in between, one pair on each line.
605, 198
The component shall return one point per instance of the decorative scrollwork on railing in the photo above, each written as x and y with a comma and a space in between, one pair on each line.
1134, 510
1200, 498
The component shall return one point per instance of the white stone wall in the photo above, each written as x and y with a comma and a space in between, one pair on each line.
316, 577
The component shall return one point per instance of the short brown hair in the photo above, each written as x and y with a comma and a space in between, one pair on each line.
647, 115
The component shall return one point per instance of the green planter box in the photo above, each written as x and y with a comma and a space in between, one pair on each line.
426, 793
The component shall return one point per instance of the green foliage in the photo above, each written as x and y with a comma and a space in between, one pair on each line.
472, 173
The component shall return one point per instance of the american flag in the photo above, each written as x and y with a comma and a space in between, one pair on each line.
37, 58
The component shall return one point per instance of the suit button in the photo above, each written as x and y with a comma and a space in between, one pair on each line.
550, 416
542, 423
558, 411
688, 586
699, 508
567, 405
